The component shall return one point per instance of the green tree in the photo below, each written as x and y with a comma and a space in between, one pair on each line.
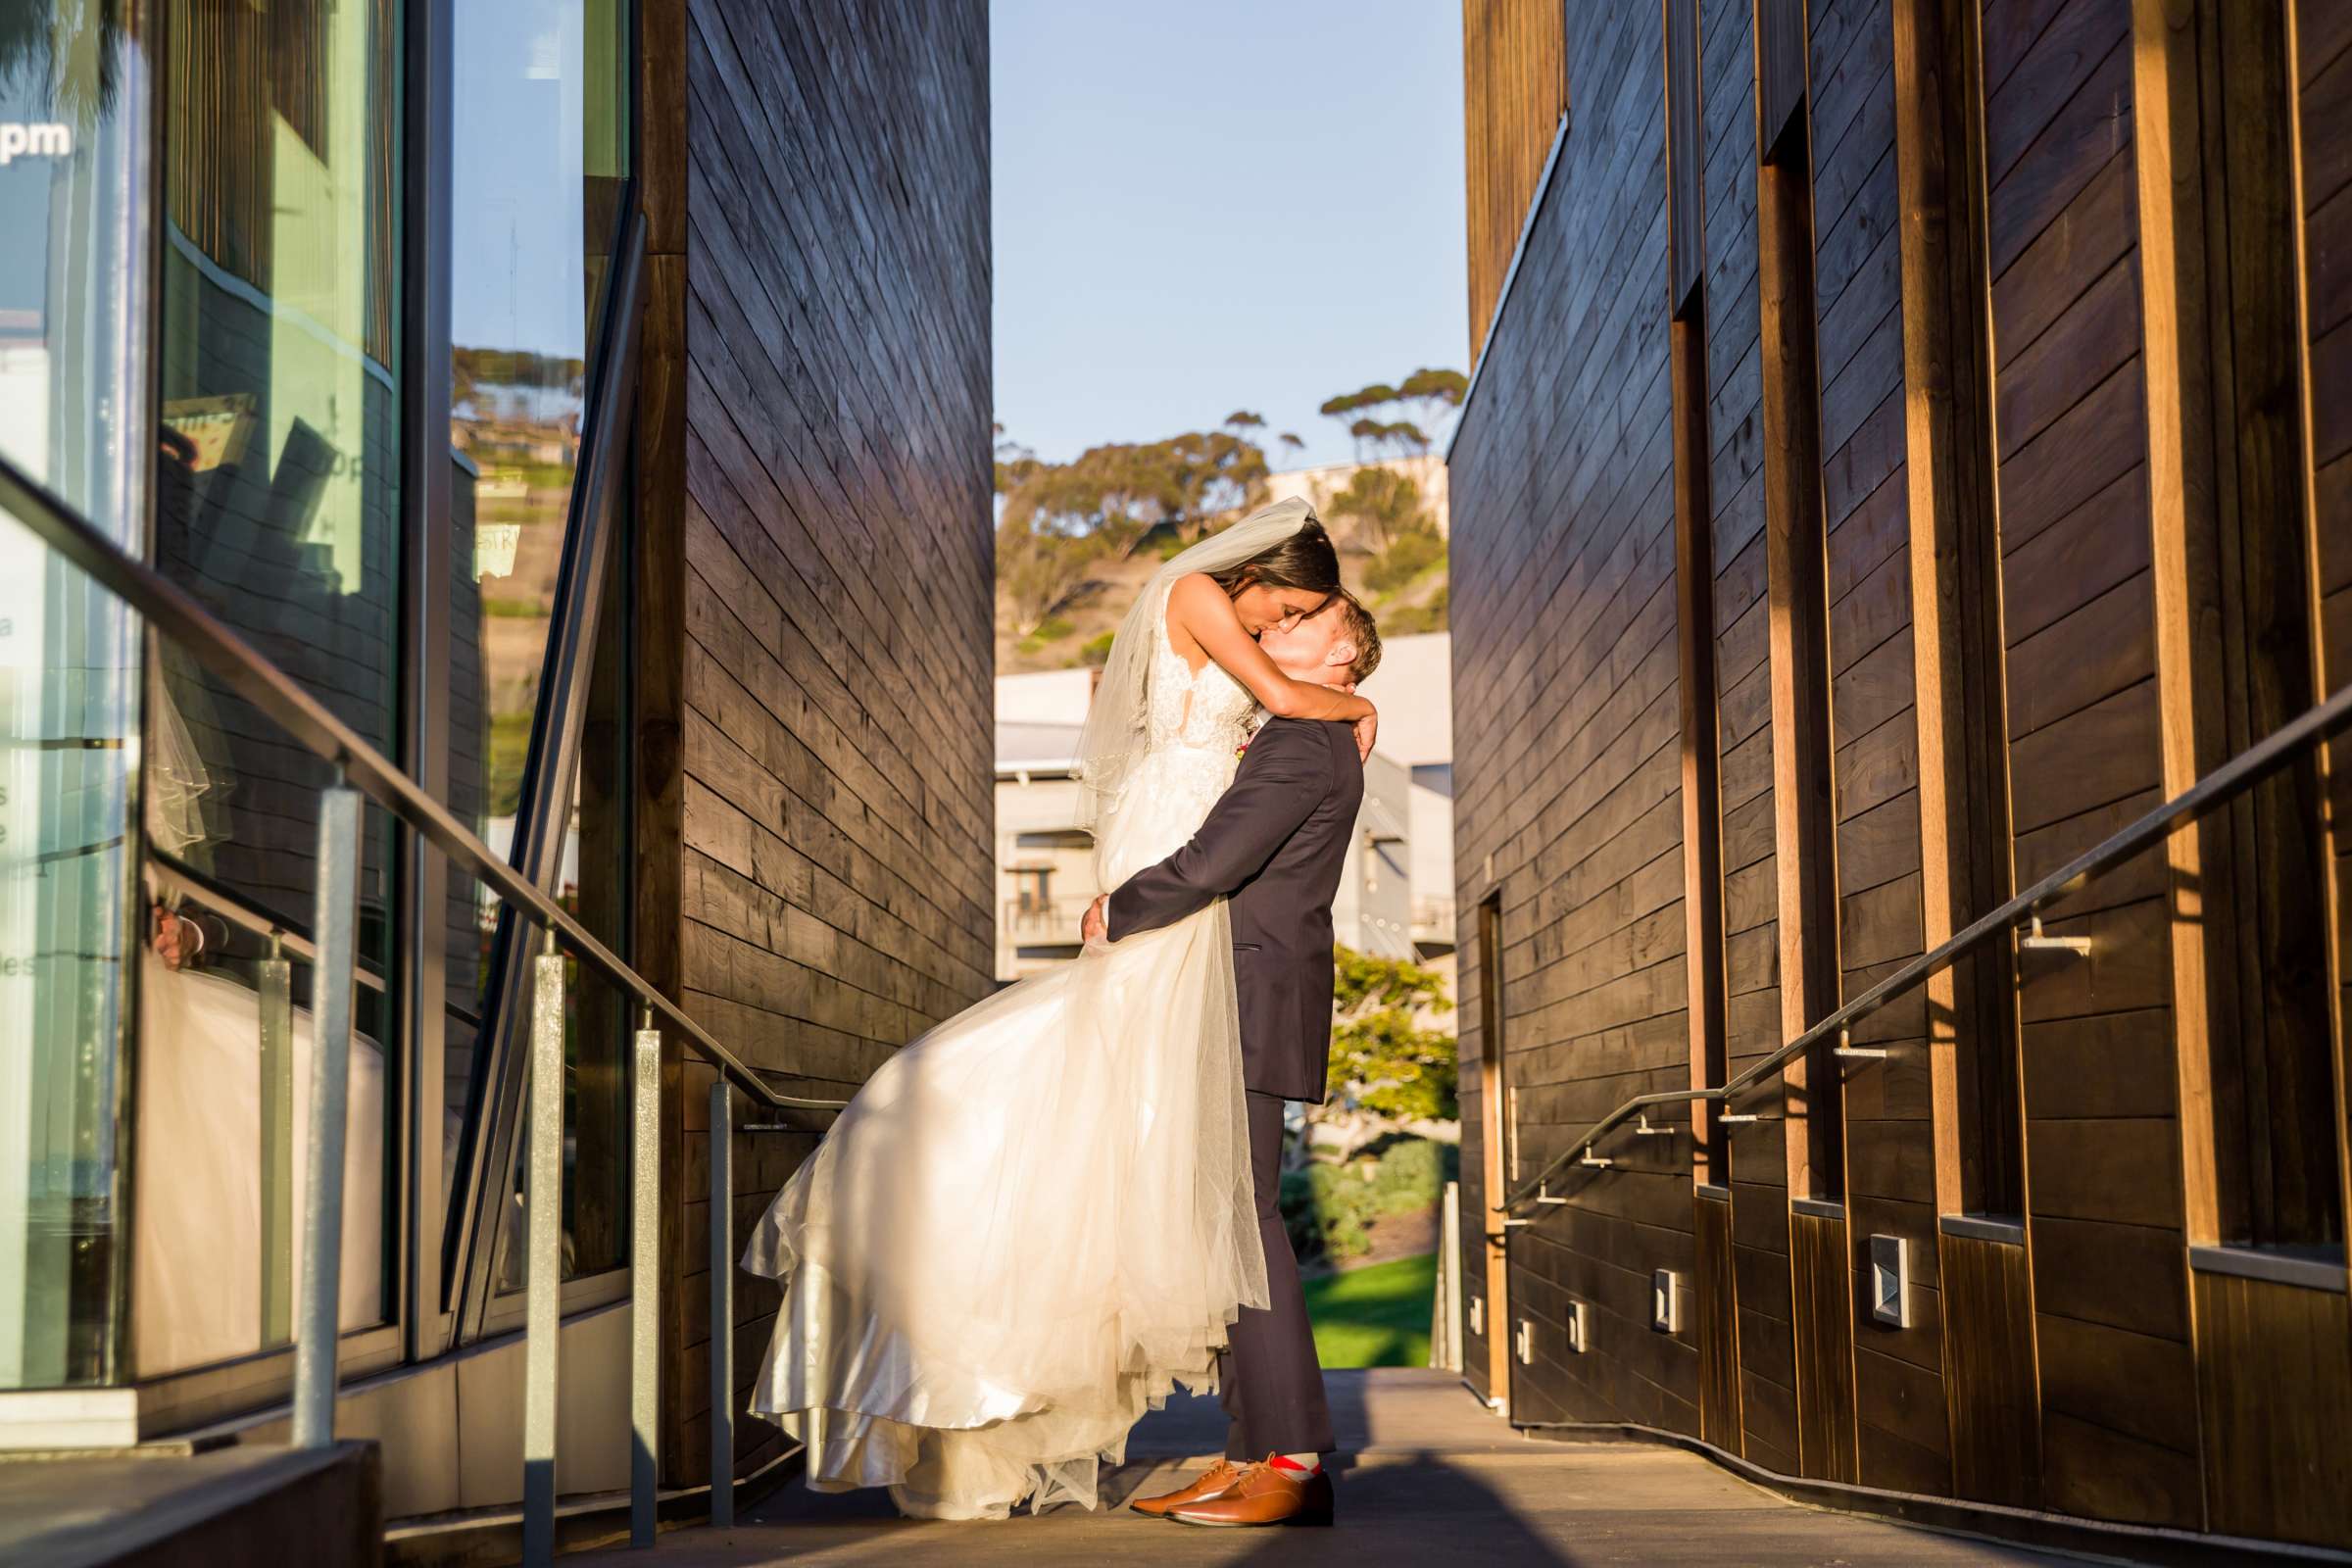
1383, 505
1390, 1067
1416, 405
1041, 571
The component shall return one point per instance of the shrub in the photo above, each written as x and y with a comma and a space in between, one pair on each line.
1097, 649
1051, 630
1413, 553
1329, 1209
1411, 618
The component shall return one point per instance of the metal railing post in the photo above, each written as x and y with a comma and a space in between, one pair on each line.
543, 1284
722, 1305
316, 1337
276, 993
1446, 1343
645, 1284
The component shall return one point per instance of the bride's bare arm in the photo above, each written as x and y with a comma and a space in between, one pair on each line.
1199, 608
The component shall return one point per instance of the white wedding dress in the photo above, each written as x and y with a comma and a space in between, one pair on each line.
1037, 1219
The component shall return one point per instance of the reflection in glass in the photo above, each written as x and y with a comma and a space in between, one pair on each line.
542, 136
596, 1015
223, 1122
277, 506
74, 85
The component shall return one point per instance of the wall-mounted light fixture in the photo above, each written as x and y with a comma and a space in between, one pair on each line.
1665, 1302
1890, 1281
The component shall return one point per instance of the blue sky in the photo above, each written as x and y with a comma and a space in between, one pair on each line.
1225, 204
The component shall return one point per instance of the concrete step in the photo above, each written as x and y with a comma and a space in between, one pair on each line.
169, 1507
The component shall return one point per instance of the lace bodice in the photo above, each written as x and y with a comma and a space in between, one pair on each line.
1203, 711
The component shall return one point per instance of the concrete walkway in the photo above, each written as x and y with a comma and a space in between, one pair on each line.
1432, 1478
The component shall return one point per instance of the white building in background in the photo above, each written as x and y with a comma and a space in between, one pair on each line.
1413, 689
1395, 896
1319, 484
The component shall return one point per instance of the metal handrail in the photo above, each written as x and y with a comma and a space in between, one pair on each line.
252, 675
2247, 767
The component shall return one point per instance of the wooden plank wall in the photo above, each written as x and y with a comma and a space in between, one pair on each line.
2070, 410
1516, 91
1575, 801
833, 547
1759, 1179
1566, 649
1889, 1174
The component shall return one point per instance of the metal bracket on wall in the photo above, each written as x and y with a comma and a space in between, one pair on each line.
1847, 1050
1544, 1195
1642, 1129
1593, 1160
1734, 1117
2034, 941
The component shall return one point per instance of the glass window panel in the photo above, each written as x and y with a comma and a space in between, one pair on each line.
542, 134
277, 506
224, 1136
73, 129
596, 1026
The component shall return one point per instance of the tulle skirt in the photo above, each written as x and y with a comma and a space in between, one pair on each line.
1028, 1227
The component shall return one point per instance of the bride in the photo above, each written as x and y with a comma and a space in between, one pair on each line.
1034, 1221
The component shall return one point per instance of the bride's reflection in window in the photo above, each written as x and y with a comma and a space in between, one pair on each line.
215, 1105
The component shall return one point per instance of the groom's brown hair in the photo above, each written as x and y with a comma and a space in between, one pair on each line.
1364, 633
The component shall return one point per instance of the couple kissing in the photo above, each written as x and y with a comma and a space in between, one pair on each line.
1033, 1223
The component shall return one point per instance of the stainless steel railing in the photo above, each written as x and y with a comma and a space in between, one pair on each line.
2248, 767
361, 771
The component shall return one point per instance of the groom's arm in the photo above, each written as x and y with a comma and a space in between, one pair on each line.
1284, 774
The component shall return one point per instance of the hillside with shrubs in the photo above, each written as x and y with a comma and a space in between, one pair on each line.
1076, 541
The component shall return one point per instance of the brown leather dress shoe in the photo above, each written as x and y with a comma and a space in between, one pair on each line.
1214, 1482
1265, 1494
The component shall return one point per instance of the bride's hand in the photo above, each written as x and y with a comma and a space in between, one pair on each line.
1367, 730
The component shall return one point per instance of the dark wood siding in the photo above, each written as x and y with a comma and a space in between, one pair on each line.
1890, 1173
1995, 392
1576, 800
2080, 615
821, 316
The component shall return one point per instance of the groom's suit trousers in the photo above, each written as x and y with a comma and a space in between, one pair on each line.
1272, 1383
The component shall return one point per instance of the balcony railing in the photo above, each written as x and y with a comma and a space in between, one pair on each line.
1056, 919
361, 771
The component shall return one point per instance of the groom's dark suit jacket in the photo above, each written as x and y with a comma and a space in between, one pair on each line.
1273, 845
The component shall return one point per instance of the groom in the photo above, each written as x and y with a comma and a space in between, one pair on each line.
1273, 846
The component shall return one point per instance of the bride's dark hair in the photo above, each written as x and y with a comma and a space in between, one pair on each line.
1305, 561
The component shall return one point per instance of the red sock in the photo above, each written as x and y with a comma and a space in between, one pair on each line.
1283, 1461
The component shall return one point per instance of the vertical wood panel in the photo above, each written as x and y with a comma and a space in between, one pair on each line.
1825, 1348
2275, 1380
2236, 625
1685, 163
1515, 90
1990, 1355
1718, 1326
1956, 599
1779, 64
1795, 571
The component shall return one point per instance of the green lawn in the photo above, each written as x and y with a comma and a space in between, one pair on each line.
1377, 1316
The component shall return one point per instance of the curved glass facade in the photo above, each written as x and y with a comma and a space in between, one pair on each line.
75, 87
211, 279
